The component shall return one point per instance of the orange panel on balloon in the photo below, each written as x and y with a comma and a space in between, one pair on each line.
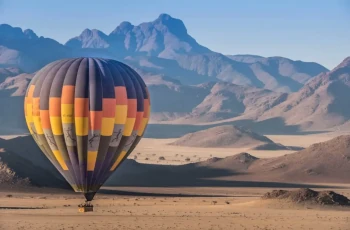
95, 122
132, 106
68, 94
81, 107
108, 107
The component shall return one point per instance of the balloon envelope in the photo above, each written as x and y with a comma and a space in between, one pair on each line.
87, 115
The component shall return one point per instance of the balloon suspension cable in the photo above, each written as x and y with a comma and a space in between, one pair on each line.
87, 206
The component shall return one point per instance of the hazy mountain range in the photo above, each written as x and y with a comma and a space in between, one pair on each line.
188, 82
161, 46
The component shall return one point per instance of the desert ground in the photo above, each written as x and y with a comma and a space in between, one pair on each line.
161, 208
176, 207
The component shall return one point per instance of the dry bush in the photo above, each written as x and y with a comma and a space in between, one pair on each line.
8, 176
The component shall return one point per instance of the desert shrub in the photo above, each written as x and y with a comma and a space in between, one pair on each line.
161, 158
8, 176
188, 159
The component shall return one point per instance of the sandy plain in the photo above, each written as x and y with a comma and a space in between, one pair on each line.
175, 208
240, 208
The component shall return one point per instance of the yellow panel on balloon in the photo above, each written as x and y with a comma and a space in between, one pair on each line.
56, 125
142, 126
119, 159
67, 113
37, 123
29, 112
81, 126
107, 126
121, 112
91, 160
129, 126
60, 160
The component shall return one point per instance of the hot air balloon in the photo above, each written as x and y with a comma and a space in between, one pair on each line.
87, 115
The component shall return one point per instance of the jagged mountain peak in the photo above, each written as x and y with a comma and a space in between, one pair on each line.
89, 39
123, 28
9, 32
344, 64
174, 25
30, 34
90, 32
164, 16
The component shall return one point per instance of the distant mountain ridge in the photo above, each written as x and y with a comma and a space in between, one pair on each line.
321, 103
24, 49
162, 46
189, 83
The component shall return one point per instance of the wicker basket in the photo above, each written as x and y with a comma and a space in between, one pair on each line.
86, 209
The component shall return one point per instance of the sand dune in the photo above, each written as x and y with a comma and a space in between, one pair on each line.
326, 162
276, 146
222, 136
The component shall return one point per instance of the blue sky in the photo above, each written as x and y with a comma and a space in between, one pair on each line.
306, 30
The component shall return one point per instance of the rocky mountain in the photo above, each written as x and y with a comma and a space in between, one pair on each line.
162, 46
24, 49
162, 37
281, 74
149, 43
246, 58
171, 100
12, 91
9, 72
321, 103
209, 102
188, 82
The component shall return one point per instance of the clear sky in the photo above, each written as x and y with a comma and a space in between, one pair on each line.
308, 30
